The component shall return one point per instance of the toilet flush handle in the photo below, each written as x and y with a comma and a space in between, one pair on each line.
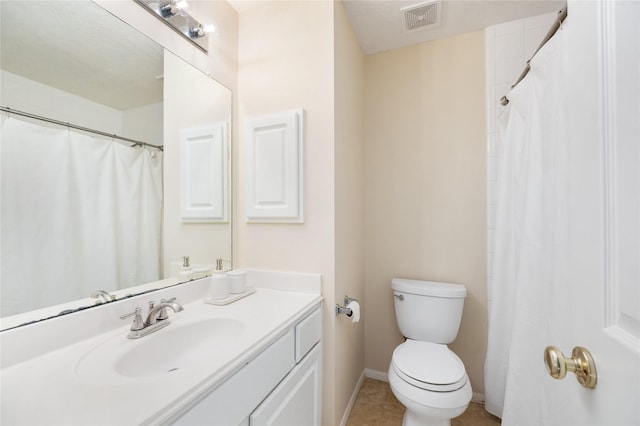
399, 296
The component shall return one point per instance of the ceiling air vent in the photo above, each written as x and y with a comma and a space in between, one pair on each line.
421, 16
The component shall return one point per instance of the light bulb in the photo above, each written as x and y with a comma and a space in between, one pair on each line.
173, 8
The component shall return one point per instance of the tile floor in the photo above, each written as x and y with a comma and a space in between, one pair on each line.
376, 406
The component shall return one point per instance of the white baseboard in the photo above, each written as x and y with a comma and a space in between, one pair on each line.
377, 375
352, 400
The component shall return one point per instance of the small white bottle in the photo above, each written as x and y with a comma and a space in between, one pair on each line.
219, 288
185, 270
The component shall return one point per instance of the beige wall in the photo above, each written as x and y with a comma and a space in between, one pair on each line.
425, 186
21, 93
144, 123
286, 62
349, 208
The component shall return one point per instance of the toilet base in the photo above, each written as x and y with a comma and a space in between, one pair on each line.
410, 419
424, 413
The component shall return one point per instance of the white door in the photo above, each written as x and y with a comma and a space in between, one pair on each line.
604, 110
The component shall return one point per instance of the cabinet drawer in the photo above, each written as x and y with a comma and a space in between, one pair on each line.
230, 403
308, 332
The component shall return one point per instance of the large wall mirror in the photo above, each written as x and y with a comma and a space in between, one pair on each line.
88, 213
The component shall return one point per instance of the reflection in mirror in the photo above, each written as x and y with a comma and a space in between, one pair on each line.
84, 213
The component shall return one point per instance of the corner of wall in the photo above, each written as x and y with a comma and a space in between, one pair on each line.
348, 72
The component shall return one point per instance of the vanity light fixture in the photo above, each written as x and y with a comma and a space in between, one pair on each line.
173, 8
175, 13
200, 31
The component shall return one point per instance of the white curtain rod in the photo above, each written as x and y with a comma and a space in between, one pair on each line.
562, 14
74, 126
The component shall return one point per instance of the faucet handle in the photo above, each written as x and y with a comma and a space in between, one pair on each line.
163, 315
138, 322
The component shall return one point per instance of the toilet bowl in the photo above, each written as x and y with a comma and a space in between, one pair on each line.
430, 381
424, 374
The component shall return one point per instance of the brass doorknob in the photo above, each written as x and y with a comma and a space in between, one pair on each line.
581, 363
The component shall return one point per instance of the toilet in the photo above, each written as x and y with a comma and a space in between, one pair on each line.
425, 375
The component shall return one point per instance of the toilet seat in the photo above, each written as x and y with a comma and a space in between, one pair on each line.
429, 366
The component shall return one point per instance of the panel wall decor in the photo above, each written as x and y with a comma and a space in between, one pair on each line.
204, 174
274, 165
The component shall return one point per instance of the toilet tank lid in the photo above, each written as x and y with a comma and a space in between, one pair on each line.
429, 288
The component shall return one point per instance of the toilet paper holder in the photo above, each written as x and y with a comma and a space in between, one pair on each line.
342, 310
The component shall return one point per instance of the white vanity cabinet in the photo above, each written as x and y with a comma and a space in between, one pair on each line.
296, 401
279, 386
256, 361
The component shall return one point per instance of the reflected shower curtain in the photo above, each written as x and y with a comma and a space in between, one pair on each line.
528, 285
79, 213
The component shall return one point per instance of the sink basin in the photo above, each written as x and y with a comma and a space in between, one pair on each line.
174, 349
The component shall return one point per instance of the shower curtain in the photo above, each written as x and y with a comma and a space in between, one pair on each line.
528, 285
79, 213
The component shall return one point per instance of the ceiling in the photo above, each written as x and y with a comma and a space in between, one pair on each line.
379, 27
78, 47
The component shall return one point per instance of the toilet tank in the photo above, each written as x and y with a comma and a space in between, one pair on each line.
428, 311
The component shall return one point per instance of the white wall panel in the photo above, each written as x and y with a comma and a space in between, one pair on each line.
274, 155
203, 174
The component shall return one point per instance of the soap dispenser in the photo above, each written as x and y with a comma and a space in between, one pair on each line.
219, 283
185, 270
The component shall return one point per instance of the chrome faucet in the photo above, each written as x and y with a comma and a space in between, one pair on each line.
158, 310
156, 318
104, 295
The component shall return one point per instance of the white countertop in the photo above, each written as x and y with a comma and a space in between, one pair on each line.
49, 387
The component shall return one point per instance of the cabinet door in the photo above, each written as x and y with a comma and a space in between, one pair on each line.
297, 400
231, 402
